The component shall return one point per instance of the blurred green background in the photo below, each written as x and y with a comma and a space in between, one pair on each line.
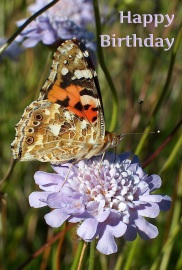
151, 74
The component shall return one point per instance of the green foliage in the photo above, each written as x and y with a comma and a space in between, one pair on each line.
137, 73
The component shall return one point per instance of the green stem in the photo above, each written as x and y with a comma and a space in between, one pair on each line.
77, 256
104, 68
21, 28
131, 254
119, 262
162, 260
92, 255
172, 156
164, 92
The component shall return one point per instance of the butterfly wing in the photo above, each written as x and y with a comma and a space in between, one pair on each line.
73, 84
67, 120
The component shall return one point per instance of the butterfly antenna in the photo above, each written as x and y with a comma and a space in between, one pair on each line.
131, 114
140, 133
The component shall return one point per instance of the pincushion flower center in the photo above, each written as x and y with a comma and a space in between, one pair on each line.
114, 185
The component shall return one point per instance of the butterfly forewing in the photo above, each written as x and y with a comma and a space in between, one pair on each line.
73, 83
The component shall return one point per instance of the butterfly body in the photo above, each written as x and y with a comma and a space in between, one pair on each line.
67, 121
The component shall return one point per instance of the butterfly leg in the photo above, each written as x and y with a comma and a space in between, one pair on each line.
102, 158
68, 172
99, 168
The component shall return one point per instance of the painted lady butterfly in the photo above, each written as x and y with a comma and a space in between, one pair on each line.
67, 121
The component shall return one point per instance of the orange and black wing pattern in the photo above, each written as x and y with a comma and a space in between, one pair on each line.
73, 84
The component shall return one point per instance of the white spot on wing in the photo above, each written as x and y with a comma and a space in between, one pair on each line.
64, 71
83, 124
55, 129
73, 78
65, 48
88, 100
86, 54
47, 112
67, 115
91, 141
87, 73
84, 73
79, 55
78, 74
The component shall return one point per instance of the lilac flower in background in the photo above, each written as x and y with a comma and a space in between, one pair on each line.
110, 200
13, 51
65, 20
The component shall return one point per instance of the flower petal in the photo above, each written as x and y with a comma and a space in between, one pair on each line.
38, 199
106, 243
145, 229
142, 188
119, 229
54, 200
44, 179
154, 181
48, 181
150, 210
55, 218
165, 203
150, 198
88, 229
75, 219
135, 160
30, 42
131, 232
103, 216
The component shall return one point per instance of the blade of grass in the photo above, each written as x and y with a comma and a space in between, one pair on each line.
172, 156
131, 255
179, 263
119, 262
166, 247
42, 249
164, 255
175, 226
79, 255
104, 68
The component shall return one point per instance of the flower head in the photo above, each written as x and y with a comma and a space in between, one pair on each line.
65, 20
110, 199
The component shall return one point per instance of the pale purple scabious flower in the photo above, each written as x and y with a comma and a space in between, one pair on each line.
13, 51
109, 200
65, 20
